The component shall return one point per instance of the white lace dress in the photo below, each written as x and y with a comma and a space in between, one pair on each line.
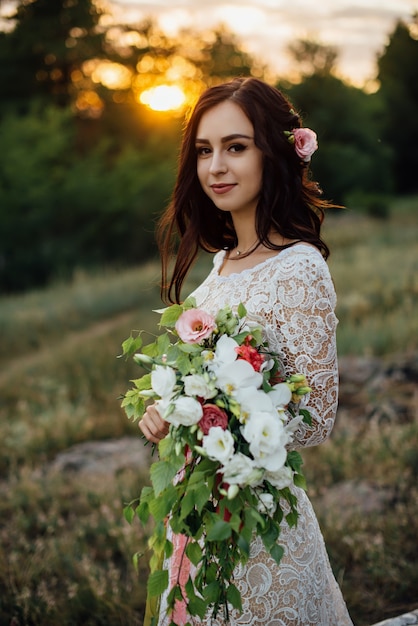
292, 296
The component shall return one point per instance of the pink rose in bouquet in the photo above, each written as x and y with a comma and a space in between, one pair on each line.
212, 416
195, 325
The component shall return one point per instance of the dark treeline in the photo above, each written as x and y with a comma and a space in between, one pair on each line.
85, 169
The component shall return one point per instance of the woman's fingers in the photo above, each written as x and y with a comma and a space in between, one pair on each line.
153, 426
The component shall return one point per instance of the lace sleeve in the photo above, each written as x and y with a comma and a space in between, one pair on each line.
306, 332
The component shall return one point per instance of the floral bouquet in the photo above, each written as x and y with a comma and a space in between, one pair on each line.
225, 470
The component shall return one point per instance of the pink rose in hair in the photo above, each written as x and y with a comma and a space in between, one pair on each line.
195, 325
212, 416
305, 143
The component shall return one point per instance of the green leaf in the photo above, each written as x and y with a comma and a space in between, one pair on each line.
162, 474
166, 447
157, 583
253, 517
129, 513
160, 507
189, 303
142, 383
220, 530
234, 597
168, 549
163, 343
194, 552
183, 364
131, 345
142, 510
202, 495
244, 546
151, 349
133, 404
187, 503
277, 553
306, 416
195, 605
242, 311
190, 348
212, 592
171, 315
294, 460
270, 534
292, 518
300, 481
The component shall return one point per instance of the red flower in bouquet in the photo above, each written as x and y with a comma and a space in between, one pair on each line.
251, 355
212, 416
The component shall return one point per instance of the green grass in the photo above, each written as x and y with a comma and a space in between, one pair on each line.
65, 550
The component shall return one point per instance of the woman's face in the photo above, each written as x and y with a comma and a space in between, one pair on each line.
229, 165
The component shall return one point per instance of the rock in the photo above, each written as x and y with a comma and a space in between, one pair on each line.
353, 497
104, 457
402, 620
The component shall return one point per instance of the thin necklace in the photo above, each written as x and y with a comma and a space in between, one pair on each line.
239, 252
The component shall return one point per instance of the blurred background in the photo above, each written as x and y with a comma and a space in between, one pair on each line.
93, 97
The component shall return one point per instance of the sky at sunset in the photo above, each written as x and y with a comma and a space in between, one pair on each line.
359, 28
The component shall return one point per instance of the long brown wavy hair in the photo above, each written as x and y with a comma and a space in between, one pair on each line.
289, 203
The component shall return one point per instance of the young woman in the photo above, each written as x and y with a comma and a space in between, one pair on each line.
243, 192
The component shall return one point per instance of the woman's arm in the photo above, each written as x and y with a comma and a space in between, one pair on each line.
306, 327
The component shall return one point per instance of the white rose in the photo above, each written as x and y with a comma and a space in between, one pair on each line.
195, 385
163, 379
238, 375
281, 478
264, 432
280, 395
266, 503
241, 470
252, 401
187, 411
218, 444
224, 354
267, 438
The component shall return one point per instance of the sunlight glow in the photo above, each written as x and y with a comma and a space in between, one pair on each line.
112, 75
163, 98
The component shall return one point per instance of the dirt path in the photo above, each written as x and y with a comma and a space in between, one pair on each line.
72, 339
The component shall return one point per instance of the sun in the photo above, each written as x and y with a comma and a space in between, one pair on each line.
163, 98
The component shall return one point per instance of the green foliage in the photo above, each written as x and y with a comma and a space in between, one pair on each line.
49, 42
399, 90
75, 209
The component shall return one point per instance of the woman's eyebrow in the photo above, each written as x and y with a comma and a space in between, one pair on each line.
226, 139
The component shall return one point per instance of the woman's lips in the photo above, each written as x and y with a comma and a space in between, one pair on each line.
222, 188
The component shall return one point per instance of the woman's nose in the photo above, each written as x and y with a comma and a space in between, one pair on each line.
218, 164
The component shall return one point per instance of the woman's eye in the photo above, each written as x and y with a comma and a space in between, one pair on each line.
237, 147
202, 151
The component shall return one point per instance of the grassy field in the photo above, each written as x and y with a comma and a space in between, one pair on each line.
65, 550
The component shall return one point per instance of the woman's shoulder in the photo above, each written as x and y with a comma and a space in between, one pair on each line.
303, 254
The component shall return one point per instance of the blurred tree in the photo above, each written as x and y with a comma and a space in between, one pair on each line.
398, 76
313, 57
73, 210
352, 159
222, 58
43, 54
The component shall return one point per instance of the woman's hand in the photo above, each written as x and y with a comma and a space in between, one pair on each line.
152, 425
